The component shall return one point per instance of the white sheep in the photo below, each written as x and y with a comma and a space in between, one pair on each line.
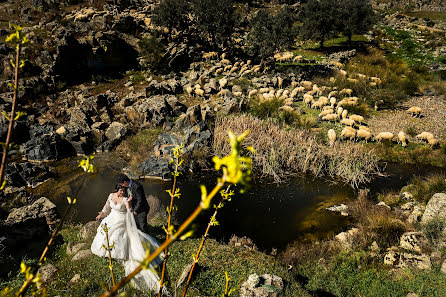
332, 94
352, 80
219, 71
331, 137
424, 136
347, 122
325, 112
415, 111
227, 67
356, 118
346, 92
237, 94
344, 113
349, 133
286, 108
339, 111
364, 134
402, 138
364, 128
252, 93
328, 107
263, 90
332, 101
343, 72
433, 142
199, 92
384, 136
225, 61
306, 84
279, 82
330, 117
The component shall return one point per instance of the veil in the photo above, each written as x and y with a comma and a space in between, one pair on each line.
147, 279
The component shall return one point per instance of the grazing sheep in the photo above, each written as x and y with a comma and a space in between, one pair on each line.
227, 67
256, 68
424, 136
209, 55
246, 72
332, 94
376, 80
233, 69
365, 128
286, 108
252, 93
356, 118
346, 92
364, 134
330, 117
326, 107
348, 132
223, 82
263, 90
433, 142
384, 136
225, 61
224, 92
332, 101
343, 72
331, 137
372, 84
223, 56
248, 62
344, 113
288, 101
236, 64
339, 111
279, 92
307, 85
348, 122
332, 80
337, 64
414, 111
402, 138
297, 58
237, 94
362, 76
325, 112
286, 92
352, 80
219, 71
279, 82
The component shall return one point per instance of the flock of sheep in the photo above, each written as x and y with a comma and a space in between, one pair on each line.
323, 98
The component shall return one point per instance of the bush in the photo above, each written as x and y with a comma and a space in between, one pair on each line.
266, 108
424, 188
152, 50
433, 230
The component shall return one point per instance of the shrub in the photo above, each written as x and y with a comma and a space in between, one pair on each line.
152, 50
423, 188
266, 108
433, 229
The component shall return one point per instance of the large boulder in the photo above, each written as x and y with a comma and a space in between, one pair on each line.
155, 167
30, 222
405, 260
89, 229
116, 132
48, 272
435, 208
27, 174
267, 285
413, 241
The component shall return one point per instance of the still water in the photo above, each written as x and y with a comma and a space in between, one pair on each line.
272, 215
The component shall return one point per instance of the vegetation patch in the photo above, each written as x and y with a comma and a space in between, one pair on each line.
422, 189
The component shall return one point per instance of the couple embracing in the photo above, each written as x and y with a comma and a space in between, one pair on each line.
128, 233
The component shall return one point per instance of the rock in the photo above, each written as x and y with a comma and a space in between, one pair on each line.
89, 229
383, 204
413, 241
184, 275
391, 258
194, 114
30, 222
75, 279
48, 147
443, 267
422, 261
165, 143
267, 285
436, 257
155, 167
61, 131
27, 174
48, 272
435, 208
81, 255
115, 133
346, 238
406, 196
74, 247
243, 242
338, 208
416, 215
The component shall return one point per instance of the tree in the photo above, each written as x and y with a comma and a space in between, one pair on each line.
215, 18
321, 20
172, 14
357, 17
270, 33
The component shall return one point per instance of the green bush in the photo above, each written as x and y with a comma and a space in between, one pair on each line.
433, 229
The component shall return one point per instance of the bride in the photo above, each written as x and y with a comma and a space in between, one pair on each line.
128, 243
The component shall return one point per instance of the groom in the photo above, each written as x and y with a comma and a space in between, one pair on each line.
140, 207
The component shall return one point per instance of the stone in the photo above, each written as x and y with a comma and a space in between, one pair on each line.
75, 279
413, 241
436, 257
155, 167
346, 238
48, 272
267, 285
74, 247
89, 229
383, 204
443, 267
416, 215
406, 196
391, 258
61, 130
194, 114
435, 208
116, 132
81, 255
422, 261
338, 208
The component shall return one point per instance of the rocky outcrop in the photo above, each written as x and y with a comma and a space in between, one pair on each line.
435, 208
30, 222
405, 260
89, 229
267, 285
414, 242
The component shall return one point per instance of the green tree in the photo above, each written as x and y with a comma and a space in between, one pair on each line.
270, 33
216, 19
172, 14
357, 17
320, 20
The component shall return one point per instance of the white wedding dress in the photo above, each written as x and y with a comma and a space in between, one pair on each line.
128, 244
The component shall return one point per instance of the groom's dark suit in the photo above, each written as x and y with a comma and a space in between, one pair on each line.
139, 205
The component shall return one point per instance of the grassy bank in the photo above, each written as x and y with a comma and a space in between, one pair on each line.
281, 151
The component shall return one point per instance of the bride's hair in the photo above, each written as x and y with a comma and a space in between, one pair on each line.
119, 187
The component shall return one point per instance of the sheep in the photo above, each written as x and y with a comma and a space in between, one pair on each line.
433, 142
352, 80
364, 128
223, 82
317, 104
346, 92
279, 82
256, 68
384, 136
189, 89
219, 71
263, 90
236, 64
348, 122
248, 62
402, 138
252, 93
330, 117
414, 111
356, 118
307, 85
224, 92
225, 61
223, 56
362, 76
286, 93
199, 92
297, 58
209, 55
288, 101
348, 132
227, 67
237, 94
332, 101
339, 111
325, 112
279, 93
337, 64
332, 80
376, 80
331, 137
233, 69
372, 84
344, 113
326, 107
332, 94
424, 136
343, 72
286, 108
246, 72
364, 134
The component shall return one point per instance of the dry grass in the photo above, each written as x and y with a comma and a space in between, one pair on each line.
280, 152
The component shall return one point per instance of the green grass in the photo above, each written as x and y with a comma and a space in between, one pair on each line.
432, 15
422, 189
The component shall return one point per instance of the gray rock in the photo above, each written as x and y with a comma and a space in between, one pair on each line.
413, 241
116, 132
74, 247
346, 238
267, 285
89, 229
81, 255
422, 261
48, 272
435, 208
155, 167
416, 215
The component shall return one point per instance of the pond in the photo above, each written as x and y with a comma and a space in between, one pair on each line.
272, 215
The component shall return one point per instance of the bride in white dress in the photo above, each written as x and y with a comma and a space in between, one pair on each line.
129, 243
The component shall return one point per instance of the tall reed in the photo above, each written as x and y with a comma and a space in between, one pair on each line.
281, 152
